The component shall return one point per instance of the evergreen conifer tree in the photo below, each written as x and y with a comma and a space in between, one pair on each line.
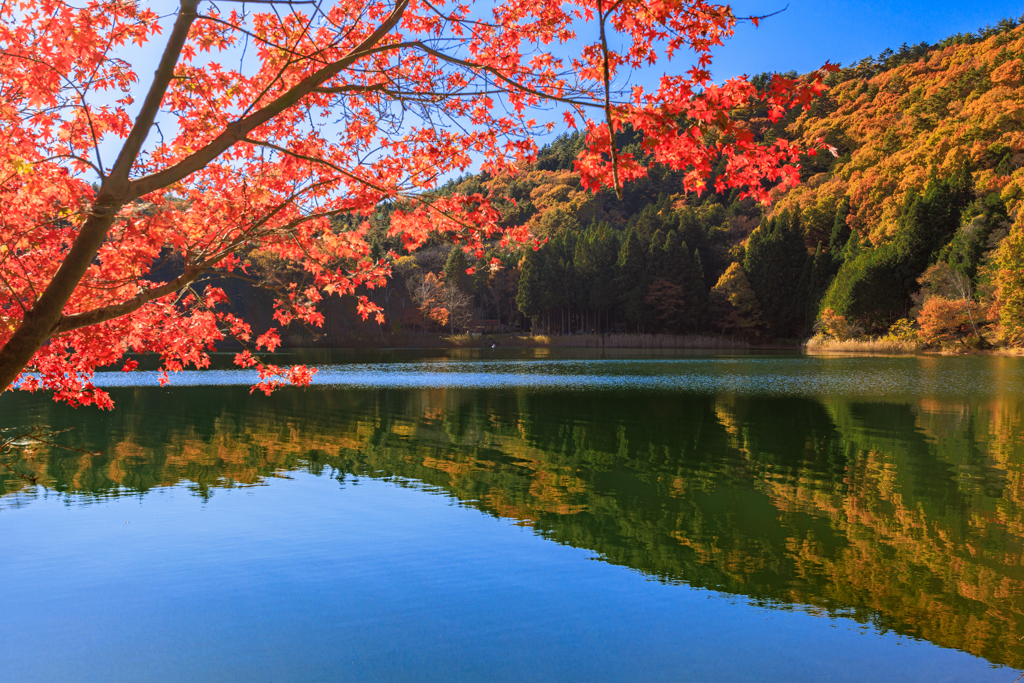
528, 298
776, 265
455, 270
604, 289
631, 278
697, 295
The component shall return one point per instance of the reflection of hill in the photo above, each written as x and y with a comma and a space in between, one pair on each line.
905, 515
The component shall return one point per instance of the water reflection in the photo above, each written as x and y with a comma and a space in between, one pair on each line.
905, 513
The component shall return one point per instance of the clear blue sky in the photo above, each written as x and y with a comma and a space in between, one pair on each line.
810, 32
801, 38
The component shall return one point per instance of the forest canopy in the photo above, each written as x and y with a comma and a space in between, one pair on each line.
918, 211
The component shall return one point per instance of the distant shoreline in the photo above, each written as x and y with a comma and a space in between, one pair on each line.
899, 347
581, 341
665, 342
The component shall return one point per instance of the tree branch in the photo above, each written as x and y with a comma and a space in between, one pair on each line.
96, 316
608, 105
237, 131
39, 323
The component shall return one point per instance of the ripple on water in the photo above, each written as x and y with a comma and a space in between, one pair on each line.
868, 377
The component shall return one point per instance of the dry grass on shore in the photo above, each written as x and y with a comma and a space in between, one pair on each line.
868, 345
642, 341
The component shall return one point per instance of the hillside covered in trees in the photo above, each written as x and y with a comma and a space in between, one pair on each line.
911, 228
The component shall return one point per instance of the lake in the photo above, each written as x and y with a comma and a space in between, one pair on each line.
512, 515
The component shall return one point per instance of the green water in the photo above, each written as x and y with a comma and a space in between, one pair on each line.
438, 516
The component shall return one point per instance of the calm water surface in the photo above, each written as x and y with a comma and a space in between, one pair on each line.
520, 515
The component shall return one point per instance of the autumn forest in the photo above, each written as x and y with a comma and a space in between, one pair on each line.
909, 230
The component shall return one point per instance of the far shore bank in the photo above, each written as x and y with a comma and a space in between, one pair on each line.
884, 346
667, 342
579, 341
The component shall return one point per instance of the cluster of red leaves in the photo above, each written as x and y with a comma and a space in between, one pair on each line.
710, 133
332, 109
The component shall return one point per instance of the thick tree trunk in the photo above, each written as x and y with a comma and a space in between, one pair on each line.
41, 321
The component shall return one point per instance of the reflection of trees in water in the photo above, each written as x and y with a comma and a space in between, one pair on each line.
905, 515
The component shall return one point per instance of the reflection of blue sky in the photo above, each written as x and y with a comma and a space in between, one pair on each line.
303, 579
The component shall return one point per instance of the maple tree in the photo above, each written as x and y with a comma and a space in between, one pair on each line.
327, 109
943, 319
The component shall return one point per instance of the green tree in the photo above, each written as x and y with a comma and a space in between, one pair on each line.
528, 298
875, 286
696, 294
676, 258
603, 257
455, 270
631, 280
776, 264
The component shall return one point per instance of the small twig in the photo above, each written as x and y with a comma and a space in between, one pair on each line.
608, 104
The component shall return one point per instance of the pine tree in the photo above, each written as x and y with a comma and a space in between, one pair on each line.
676, 258
528, 299
656, 256
874, 286
840, 231
697, 295
776, 264
630, 280
822, 272
455, 270
604, 288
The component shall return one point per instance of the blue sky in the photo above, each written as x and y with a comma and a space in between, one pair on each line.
810, 32
802, 38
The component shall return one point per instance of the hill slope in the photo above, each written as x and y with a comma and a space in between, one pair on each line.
918, 217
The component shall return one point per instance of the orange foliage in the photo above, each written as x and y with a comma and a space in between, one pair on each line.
338, 107
835, 326
943, 319
925, 116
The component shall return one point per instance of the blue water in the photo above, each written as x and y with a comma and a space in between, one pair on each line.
787, 375
306, 579
713, 518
